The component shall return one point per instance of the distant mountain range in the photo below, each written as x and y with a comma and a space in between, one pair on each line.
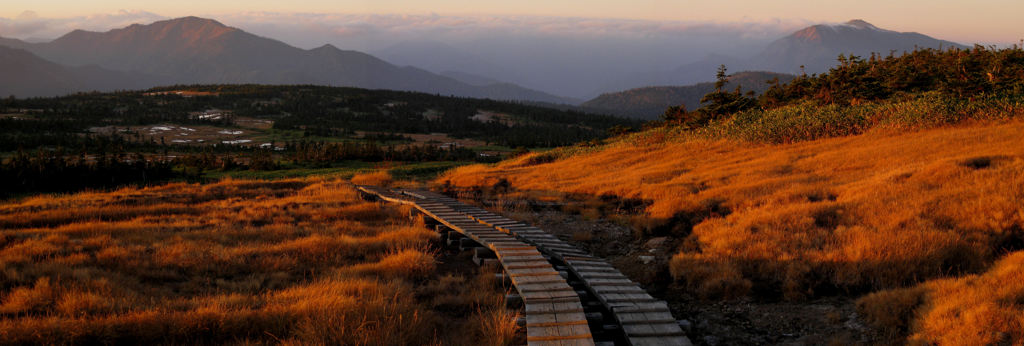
194, 50
25, 74
650, 102
816, 48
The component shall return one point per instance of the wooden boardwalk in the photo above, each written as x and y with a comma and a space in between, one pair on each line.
554, 314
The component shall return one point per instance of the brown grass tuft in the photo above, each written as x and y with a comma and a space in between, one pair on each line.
376, 178
983, 309
21, 300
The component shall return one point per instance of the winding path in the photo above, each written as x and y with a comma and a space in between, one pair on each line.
541, 267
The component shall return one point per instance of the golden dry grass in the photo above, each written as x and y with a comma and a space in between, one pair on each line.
859, 213
377, 178
301, 261
983, 309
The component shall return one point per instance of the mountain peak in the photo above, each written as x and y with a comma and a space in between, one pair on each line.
815, 48
326, 47
185, 28
193, 20
860, 24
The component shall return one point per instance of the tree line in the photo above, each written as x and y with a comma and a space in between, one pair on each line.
955, 73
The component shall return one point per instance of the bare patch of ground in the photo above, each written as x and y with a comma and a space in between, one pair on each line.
254, 123
488, 116
433, 138
187, 134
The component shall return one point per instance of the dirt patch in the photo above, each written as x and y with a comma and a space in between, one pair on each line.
173, 134
440, 139
253, 123
488, 116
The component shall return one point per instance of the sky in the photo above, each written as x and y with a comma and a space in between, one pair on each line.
966, 21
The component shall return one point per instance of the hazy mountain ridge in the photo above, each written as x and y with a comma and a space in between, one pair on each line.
650, 102
28, 75
816, 47
195, 50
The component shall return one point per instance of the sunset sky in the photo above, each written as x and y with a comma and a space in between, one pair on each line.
985, 21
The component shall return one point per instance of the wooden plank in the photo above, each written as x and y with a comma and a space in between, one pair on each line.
527, 234
519, 251
494, 234
495, 239
549, 294
545, 290
538, 320
531, 272
551, 307
518, 260
556, 333
594, 268
660, 341
520, 257
504, 247
553, 323
577, 342
601, 275
540, 287
495, 224
492, 216
445, 215
538, 279
631, 318
591, 262
566, 252
662, 316
527, 265
499, 219
523, 228
627, 298
601, 290
571, 300
642, 307
553, 241
658, 329
609, 282
638, 329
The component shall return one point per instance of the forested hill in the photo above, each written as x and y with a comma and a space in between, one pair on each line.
650, 102
330, 111
927, 87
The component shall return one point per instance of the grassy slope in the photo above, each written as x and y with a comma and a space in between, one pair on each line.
301, 261
859, 213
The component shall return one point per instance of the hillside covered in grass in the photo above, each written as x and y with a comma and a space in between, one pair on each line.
301, 261
904, 187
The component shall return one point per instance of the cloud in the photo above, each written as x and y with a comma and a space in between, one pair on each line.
370, 31
464, 27
30, 25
